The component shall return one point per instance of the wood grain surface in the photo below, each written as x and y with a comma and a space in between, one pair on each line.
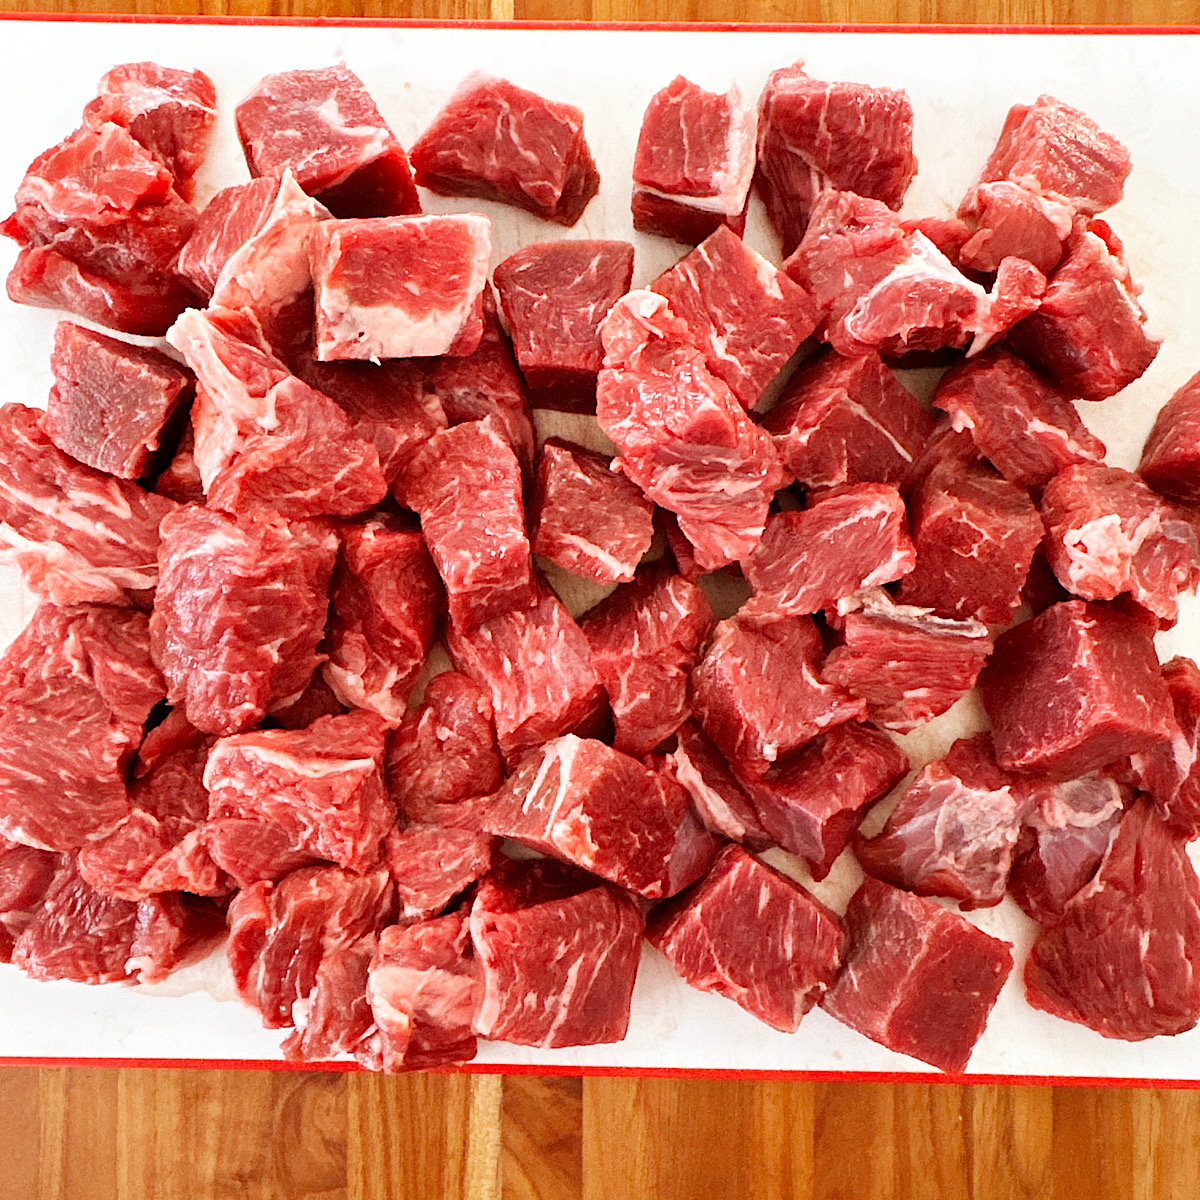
155, 1134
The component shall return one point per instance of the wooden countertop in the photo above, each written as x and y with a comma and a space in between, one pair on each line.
154, 1134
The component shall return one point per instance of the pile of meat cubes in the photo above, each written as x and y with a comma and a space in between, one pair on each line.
299, 679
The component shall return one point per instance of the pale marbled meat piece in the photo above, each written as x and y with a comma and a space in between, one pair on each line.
754, 936
239, 611
557, 953
430, 865
1169, 771
645, 639
77, 534
323, 125
580, 800
1170, 458
77, 685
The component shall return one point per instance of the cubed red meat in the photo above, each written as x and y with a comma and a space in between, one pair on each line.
430, 865
335, 1017
1170, 771
1015, 221
1171, 457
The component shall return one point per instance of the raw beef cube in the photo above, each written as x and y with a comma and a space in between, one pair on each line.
111, 402
170, 929
906, 664
323, 125
948, 450
752, 935
499, 142
587, 518
1107, 533
26, 874
320, 787
1170, 771
812, 803
1089, 333
1125, 958
1066, 836
385, 602
77, 534
76, 687
917, 978
465, 483
554, 296
558, 953
582, 801
848, 420
717, 796
814, 135
1021, 423
424, 989
1074, 689
431, 865
444, 751
948, 234
746, 316
238, 613
811, 560
399, 287
645, 639
169, 111
683, 436
694, 162
1171, 457
1014, 221
758, 693
281, 933
954, 830
975, 535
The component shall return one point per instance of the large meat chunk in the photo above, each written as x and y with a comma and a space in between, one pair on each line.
430, 865
814, 135
1125, 958
1170, 771
1074, 689
323, 125
238, 613
76, 687
694, 162
558, 954
645, 639
683, 436
1171, 457
77, 534
917, 978
499, 142
751, 934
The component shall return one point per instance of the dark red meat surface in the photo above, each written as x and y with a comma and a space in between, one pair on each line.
1169, 771
1171, 458
430, 865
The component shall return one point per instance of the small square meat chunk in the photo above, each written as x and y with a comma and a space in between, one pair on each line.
1089, 333
645, 639
975, 536
1125, 958
430, 865
580, 800
1108, 534
1023, 425
694, 162
323, 125
812, 560
848, 420
812, 803
26, 874
536, 667
318, 790
1171, 457
554, 296
759, 693
385, 605
558, 953
684, 438
1170, 771
907, 665
751, 934
587, 518
1015, 222
1075, 688
75, 533
400, 287
954, 830
917, 978
465, 484
238, 613
111, 402
814, 135
746, 316
497, 141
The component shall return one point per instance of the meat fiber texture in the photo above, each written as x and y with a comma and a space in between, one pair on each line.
694, 162
1168, 771
1169, 462
430, 865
